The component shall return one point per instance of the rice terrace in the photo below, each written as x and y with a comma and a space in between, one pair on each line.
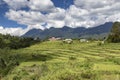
59, 39
58, 61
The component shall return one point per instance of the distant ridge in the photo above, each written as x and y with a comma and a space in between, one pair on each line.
67, 32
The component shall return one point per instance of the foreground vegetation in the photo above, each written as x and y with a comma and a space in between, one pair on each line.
59, 61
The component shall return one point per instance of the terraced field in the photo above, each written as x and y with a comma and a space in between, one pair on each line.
76, 61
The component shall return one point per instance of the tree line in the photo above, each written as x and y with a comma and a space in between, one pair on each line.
14, 42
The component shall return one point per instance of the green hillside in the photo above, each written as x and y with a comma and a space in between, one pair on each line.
60, 61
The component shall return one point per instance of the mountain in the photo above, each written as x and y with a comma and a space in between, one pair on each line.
67, 32
33, 32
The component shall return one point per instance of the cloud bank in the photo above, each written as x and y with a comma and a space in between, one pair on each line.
83, 13
13, 31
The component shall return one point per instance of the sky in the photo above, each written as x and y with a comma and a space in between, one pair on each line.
19, 16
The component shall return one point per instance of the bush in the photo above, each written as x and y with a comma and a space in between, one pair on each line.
117, 61
87, 64
100, 43
34, 77
72, 58
69, 76
90, 75
16, 78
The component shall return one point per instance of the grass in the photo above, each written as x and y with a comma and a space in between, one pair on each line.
77, 61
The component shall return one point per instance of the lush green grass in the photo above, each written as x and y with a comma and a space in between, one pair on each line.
59, 61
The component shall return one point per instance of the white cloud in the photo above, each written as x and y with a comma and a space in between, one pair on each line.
90, 13
26, 17
16, 4
44, 5
92, 4
13, 31
113, 18
56, 18
85, 13
35, 18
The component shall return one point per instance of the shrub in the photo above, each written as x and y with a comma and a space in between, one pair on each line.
87, 64
89, 74
69, 76
99, 43
34, 77
16, 78
72, 58
117, 61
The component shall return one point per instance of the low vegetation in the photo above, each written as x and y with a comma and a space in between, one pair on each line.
54, 60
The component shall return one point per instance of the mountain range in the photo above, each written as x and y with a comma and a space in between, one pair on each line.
67, 32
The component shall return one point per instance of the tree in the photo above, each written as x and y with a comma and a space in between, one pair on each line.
114, 35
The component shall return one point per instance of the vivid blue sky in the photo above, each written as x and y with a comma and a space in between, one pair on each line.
19, 16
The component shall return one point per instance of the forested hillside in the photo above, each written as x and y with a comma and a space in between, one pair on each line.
98, 32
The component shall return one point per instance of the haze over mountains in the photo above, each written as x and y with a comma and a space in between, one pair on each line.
67, 32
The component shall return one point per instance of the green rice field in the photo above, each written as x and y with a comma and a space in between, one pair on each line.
55, 60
